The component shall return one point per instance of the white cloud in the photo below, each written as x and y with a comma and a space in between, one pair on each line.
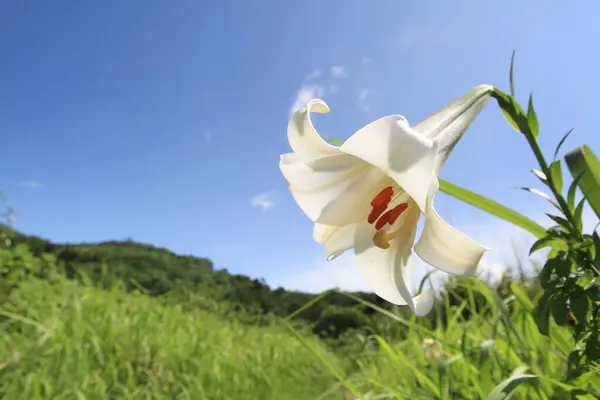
366, 60
264, 201
207, 136
362, 95
361, 100
30, 184
306, 93
315, 74
338, 71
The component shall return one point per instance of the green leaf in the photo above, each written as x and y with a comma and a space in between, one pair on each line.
539, 193
559, 309
492, 207
541, 176
548, 241
560, 221
592, 348
580, 306
556, 175
508, 386
561, 143
561, 266
541, 314
511, 76
596, 239
582, 160
578, 216
512, 111
532, 120
572, 192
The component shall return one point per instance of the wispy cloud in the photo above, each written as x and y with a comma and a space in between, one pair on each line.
366, 60
361, 100
315, 86
315, 74
264, 201
306, 93
30, 184
362, 95
338, 71
207, 136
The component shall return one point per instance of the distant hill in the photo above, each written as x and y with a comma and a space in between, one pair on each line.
158, 271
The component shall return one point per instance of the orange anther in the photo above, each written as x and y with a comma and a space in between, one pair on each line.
391, 216
380, 203
383, 198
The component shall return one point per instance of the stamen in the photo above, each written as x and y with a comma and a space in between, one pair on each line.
381, 240
383, 198
380, 203
376, 213
391, 216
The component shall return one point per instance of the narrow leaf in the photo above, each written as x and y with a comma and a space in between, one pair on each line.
582, 160
542, 314
572, 192
508, 386
512, 111
539, 193
596, 239
532, 120
560, 221
556, 175
541, 176
511, 77
578, 216
492, 207
547, 241
561, 143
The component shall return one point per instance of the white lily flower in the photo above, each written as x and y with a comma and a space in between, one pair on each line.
368, 194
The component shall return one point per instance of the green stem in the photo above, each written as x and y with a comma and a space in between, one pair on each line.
546, 170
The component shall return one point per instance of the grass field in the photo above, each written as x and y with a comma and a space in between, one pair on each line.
64, 340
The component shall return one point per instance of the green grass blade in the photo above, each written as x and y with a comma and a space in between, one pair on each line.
492, 207
508, 386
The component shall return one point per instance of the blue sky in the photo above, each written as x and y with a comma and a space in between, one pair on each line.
162, 121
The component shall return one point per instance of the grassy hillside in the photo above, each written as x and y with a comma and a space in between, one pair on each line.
160, 272
106, 336
64, 340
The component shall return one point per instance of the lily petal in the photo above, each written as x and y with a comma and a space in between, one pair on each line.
424, 302
445, 247
333, 190
336, 240
448, 125
302, 135
388, 272
402, 153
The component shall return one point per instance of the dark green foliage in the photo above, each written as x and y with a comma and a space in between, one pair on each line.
334, 321
185, 280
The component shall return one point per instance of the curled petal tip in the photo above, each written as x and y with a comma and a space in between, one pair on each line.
317, 106
486, 87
